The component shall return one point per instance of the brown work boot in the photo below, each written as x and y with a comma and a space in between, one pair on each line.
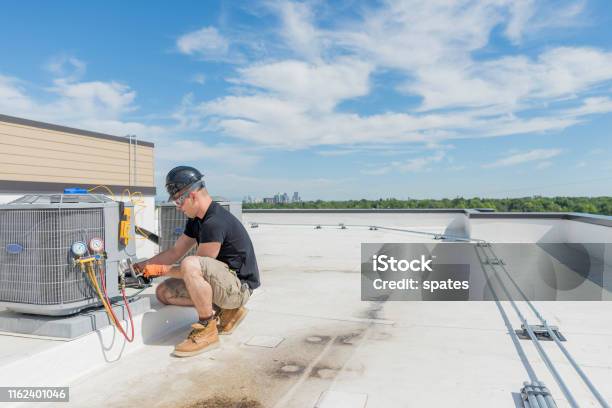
229, 319
203, 337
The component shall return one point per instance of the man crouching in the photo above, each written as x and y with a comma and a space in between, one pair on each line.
223, 272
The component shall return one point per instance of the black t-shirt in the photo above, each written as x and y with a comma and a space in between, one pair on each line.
219, 225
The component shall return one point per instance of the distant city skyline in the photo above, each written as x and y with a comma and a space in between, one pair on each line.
277, 198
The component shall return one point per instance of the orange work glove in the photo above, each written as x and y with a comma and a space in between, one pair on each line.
151, 271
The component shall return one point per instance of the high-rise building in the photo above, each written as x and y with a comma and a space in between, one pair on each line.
277, 198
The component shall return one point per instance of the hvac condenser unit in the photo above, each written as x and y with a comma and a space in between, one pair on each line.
171, 222
37, 232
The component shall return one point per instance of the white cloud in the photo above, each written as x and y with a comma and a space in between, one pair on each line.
270, 120
513, 83
95, 98
316, 86
528, 17
92, 105
205, 43
200, 151
298, 29
543, 165
407, 35
66, 66
590, 106
597, 151
432, 43
413, 165
558, 14
520, 14
231, 184
520, 158
297, 102
13, 97
338, 152
376, 171
382, 150
199, 79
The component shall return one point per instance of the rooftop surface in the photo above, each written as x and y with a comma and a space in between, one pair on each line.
309, 340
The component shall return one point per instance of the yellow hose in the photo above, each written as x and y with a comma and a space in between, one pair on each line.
94, 281
104, 187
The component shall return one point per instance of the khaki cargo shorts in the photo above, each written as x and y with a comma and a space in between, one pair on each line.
228, 291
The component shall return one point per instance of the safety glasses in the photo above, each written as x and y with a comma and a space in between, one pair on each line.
180, 198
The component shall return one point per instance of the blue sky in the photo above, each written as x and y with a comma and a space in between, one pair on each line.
336, 100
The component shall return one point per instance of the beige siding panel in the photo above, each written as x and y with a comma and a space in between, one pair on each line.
68, 166
120, 149
21, 154
71, 138
42, 155
10, 171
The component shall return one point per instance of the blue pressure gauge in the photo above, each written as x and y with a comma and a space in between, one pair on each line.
79, 248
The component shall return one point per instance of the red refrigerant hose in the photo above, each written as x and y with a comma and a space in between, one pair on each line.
114, 316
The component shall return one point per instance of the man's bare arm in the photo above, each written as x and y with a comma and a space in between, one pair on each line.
209, 249
170, 256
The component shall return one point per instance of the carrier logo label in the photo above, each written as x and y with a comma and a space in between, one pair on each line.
14, 249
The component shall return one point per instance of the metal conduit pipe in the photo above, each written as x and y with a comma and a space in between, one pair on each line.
528, 367
532, 400
555, 338
416, 232
538, 346
548, 398
540, 398
550, 365
135, 160
574, 364
431, 234
129, 160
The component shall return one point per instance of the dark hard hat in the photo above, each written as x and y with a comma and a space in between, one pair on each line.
181, 177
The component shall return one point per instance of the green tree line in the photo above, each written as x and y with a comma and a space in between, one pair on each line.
593, 205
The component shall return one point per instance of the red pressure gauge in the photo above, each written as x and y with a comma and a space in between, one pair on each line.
96, 245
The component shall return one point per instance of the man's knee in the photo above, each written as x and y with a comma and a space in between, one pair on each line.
191, 266
196, 266
191, 263
194, 269
160, 293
